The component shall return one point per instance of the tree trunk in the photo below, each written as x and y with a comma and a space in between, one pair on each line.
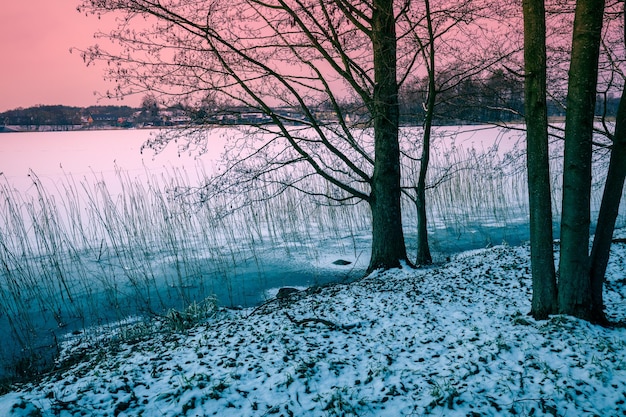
609, 209
574, 293
388, 247
544, 299
423, 248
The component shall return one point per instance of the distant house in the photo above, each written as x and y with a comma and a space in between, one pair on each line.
106, 120
174, 117
254, 118
180, 120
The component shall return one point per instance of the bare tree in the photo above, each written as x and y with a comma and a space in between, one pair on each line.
284, 59
423, 248
441, 34
595, 54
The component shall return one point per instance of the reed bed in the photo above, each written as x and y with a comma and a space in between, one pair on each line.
84, 251
89, 251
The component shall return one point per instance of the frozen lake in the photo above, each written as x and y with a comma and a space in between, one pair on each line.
92, 231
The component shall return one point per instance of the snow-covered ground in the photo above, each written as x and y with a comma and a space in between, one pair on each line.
450, 340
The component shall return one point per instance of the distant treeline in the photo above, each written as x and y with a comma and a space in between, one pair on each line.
497, 100
66, 116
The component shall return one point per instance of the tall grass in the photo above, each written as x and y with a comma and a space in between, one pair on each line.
85, 251
81, 252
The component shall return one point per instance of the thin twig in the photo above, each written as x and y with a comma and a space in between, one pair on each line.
328, 323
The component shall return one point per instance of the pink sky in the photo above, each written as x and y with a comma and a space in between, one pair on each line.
37, 67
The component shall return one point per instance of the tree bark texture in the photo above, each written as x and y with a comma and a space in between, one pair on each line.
574, 293
423, 248
544, 299
388, 247
609, 209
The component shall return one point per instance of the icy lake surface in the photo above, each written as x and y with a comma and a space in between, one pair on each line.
113, 243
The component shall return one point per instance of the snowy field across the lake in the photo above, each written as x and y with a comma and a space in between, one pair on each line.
450, 340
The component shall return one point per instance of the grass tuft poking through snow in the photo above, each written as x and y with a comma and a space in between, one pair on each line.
450, 340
